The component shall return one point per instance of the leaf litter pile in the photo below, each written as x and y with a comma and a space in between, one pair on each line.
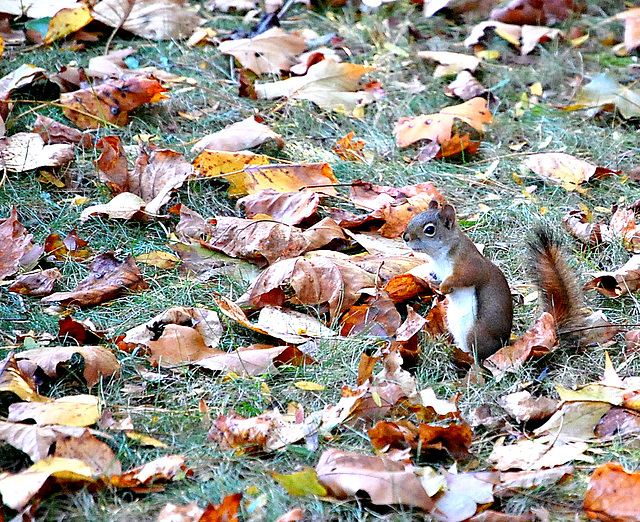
207, 311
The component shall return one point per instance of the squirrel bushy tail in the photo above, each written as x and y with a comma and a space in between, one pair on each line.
560, 292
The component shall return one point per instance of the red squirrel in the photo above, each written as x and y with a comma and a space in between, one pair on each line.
479, 303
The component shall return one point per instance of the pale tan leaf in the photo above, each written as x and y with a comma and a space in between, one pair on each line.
450, 63
27, 151
76, 410
124, 206
269, 52
238, 136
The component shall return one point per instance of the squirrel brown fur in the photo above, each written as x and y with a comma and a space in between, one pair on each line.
560, 292
479, 303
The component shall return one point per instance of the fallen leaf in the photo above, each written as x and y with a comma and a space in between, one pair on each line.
21, 77
159, 259
151, 19
215, 163
631, 19
618, 422
71, 247
349, 149
613, 494
179, 344
187, 513
124, 206
17, 489
464, 493
16, 246
227, 511
562, 168
108, 279
523, 407
17, 382
67, 21
450, 63
312, 279
26, 151
243, 362
532, 12
301, 483
386, 482
272, 51
624, 280
97, 361
238, 136
535, 455
40, 283
378, 317
605, 93
525, 37
87, 448
455, 438
110, 102
317, 177
34, 440
329, 84
145, 477
53, 132
75, 410
289, 208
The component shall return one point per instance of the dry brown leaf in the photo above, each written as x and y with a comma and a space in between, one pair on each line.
624, 280
98, 361
89, 450
17, 489
525, 37
579, 224
313, 279
243, 362
109, 278
438, 127
124, 206
34, 440
53, 132
613, 494
349, 149
534, 455
272, 51
147, 476
289, 208
13, 380
317, 177
329, 84
618, 422
411, 326
187, 513
238, 136
16, 248
268, 431
523, 407
535, 12
227, 511
179, 344
23, 76
561, 168
386, 482
27, 151
151, 19
450, 63
40, 283
71, 247
110, 102
205, 322
191, 224
378, 317
455, 438
539, 339
76, 410
257, 241
465, 87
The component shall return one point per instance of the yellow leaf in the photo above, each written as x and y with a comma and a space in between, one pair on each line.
376, 398
159, 259
309, 386
67, 21
536, 89
302, 484
145, 440
212, 163
77, 410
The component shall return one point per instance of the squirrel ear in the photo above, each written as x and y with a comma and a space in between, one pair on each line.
433, 204
448, 216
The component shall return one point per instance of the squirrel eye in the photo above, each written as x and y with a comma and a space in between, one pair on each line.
430, 230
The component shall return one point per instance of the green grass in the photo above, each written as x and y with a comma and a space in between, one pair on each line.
167, 408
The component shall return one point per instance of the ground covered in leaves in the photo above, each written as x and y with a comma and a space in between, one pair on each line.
207, 311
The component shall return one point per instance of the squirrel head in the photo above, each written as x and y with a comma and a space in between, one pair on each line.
434, 230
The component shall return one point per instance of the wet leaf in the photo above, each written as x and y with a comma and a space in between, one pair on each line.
109, 278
